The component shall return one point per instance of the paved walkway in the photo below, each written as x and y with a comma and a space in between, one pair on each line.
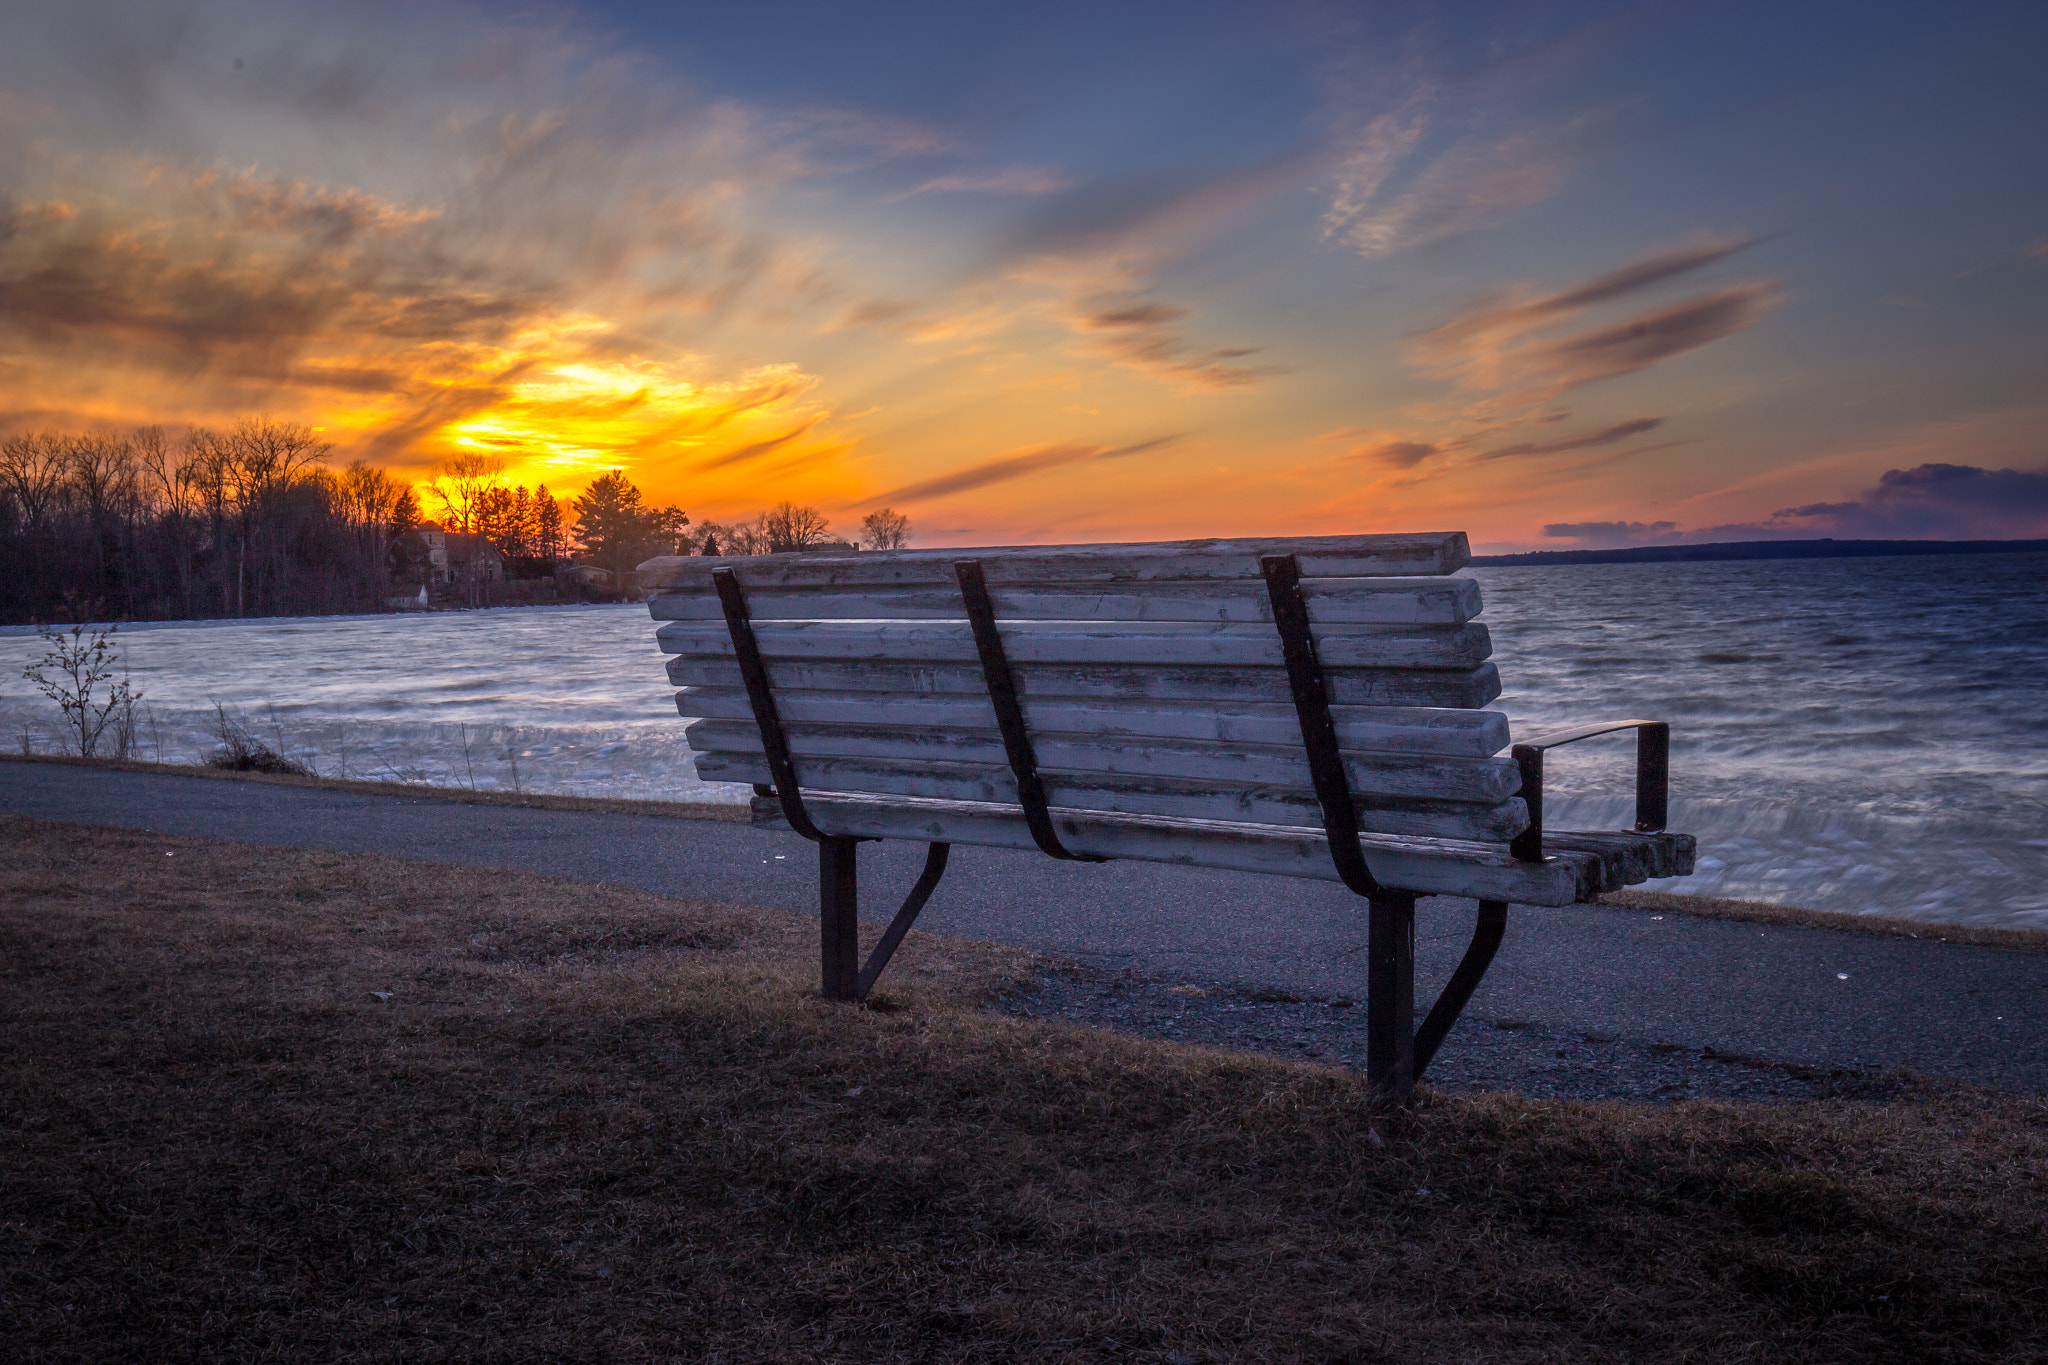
1799, 996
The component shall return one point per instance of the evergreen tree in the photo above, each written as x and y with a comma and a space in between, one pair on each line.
616, 530
405, 514
547, 525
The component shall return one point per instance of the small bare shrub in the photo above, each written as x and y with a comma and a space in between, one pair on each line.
242, 752
77, 673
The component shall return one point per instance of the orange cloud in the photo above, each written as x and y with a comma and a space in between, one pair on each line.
1004, 468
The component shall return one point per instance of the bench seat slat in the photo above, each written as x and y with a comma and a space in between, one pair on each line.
1584, 865
1430, 776
1131, 794
1473, 687
1397, 555
1140, 643
1388, 729
1331, 601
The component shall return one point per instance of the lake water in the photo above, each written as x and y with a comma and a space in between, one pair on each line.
1863, 735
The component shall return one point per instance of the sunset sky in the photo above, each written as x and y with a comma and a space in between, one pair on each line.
1553, 274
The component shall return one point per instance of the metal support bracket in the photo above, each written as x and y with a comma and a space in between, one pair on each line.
1450, 1002
1002, 694
762, 698
927, 881
1318, 730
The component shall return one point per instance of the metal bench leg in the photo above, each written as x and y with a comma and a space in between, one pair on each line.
1390, 993
1486, 937
839, 917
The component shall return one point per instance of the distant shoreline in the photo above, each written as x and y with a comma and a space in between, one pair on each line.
1761, 549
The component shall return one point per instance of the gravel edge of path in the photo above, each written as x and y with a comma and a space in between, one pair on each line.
1481, 1054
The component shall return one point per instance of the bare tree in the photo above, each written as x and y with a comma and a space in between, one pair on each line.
461, 488
107, 483
735, 538
32, 469
248, 474
887, 529
790, 527
171, 485
367, 500
225, 522
33, 466
466, 487
365, 496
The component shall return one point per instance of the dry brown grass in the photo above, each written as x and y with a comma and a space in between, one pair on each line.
588, 1124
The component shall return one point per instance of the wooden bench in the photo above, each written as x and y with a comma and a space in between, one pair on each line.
1308, 708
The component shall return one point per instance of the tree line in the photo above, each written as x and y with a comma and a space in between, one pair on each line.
248, 520
241, 521
617, 530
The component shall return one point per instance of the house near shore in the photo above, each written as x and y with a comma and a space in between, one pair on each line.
459, 557
587, 575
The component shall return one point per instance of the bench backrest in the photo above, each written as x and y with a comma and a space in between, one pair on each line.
1150, 677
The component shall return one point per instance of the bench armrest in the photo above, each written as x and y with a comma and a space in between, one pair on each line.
1653, 777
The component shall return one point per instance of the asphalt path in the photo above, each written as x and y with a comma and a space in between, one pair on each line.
1805, 997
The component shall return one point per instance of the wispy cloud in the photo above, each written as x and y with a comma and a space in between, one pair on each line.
1501, 343
1471, 185
1519, 349
872, 137
1108, 303
1502, 321
1642, 341
1004, 468
1028, 181
1399, 454
1606, 436
754, 450
1147, 335
1094, 256
1429, 145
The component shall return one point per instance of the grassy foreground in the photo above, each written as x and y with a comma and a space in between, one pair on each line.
293, 1105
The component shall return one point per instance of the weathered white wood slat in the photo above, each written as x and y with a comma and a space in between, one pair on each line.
1430, 776
1386, 729
1436, 552
1331, 601
1294, 806
1582, 868
1146, 643
1467, 688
